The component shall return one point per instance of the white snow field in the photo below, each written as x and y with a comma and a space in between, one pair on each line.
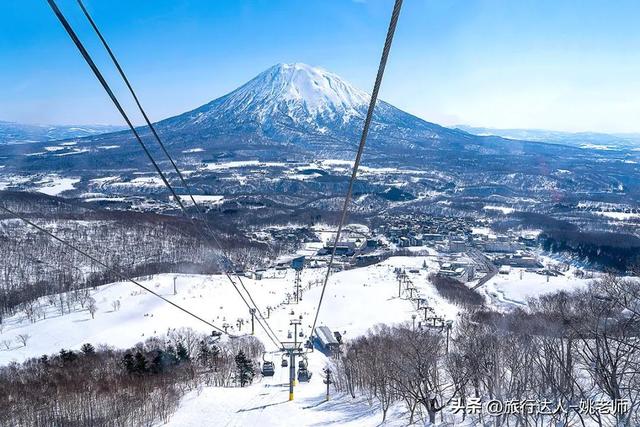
355, 301
202, 199
504, 209
266, 403
54, 185
514, 288
620, 216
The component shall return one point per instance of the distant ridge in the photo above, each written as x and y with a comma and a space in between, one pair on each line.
15, 133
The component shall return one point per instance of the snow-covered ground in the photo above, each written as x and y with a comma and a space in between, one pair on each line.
202, 199
620, 216
54, 185
355, 300
143, 181
50, 184
504, 209
7, 181
241, 164
514, 288
266, 403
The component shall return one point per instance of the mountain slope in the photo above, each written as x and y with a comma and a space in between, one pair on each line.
291, 111
288, 102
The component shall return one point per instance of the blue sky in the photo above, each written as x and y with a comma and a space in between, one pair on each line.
563, 65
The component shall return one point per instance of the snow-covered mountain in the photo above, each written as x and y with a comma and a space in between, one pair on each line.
289, 111
290, 102
302, 113
17, 133
298, 91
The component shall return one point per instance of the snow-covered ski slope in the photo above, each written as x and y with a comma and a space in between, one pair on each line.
266, 403
355, 301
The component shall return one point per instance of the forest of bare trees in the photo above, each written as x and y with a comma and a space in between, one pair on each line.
32, 265
456, 291
107, 387
580, 350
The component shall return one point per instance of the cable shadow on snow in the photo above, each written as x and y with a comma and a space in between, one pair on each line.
261, 406
343, 408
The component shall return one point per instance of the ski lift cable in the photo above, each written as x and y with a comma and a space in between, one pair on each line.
363, 139
115, 101
165, 151
105, 85
275, 340
120, 274
260, 315
137, 101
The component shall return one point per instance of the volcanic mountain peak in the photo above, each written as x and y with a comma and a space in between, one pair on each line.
298, 91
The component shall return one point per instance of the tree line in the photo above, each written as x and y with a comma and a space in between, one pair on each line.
455, 291
606, 250
566, 349
139, 386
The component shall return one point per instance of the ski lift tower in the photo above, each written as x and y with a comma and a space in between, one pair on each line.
292, 349
297, 264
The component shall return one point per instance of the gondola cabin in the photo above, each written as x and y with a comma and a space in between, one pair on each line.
268, 369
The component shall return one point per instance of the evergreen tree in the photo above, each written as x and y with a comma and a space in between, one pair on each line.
67, 356
140, 363
182, 353
158, 362
215, 354
88, 349
128, 362
244, 367
204, 353
171, 355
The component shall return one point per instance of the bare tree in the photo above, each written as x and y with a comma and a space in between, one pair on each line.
83, 297
23, 338
400, 364
609, 338
30, 309
92, 306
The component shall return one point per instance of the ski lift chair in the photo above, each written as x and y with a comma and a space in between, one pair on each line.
304, 375
268, 369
